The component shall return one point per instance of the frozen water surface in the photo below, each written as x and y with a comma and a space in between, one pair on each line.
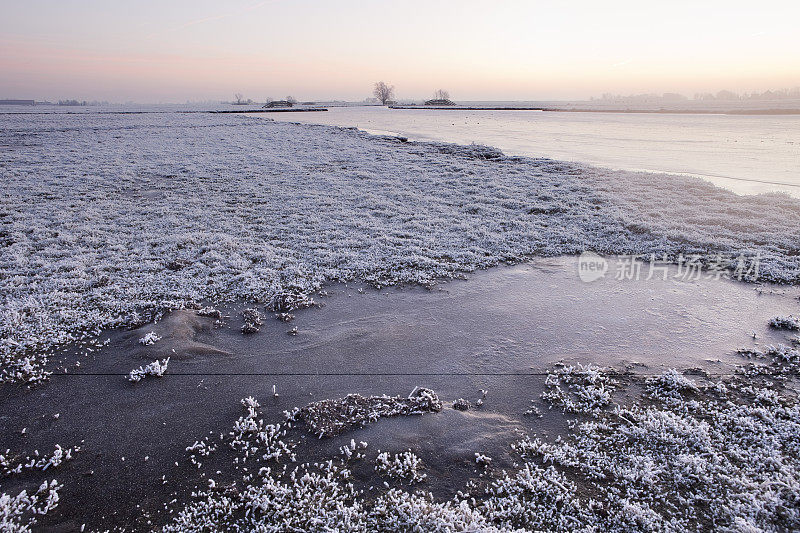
500, 331
746, 154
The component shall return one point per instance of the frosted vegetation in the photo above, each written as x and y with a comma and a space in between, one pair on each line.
405, 466
690, 453
149, 339
155, 369
785, 322
20, 513
327, 418
12, 465
579, 389
106, 219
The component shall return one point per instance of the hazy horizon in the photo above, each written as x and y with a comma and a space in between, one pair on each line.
207, 51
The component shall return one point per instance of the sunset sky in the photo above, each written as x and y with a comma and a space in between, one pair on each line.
174, 51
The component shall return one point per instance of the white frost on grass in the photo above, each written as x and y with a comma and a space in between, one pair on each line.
721, 455
149, 339
785, 322
670, 387
588, 388
784, 359
353, 451
253, 438
156, 368
253, 320
405, 466
10, 465
328, 418
687, 455
19, 514
209, 311
200, 449
482, 459
315, 497
460, 404
104, 217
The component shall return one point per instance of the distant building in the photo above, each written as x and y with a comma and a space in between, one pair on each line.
277, 103
17, 102
439, 101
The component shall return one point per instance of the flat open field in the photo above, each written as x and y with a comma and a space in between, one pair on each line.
272, 269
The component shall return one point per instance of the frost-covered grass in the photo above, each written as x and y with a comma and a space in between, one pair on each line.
253, 320
252, 436
156, 369
149, 339
482, 459
327, 418
785, 322
303, 496
721, 454
405, 466
686, 455
460, 404
353, 451
11, 465
18, 514
21, 512
106, 218
587, 388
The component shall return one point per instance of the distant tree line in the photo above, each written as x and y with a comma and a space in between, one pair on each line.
239, 99
382, 92
782, 94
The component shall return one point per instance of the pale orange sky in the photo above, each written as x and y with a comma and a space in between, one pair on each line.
515, 50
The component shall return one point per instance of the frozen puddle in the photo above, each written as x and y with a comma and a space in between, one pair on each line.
500, 331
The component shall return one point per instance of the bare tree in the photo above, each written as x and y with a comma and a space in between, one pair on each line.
383, 92
239, 98
291, 99
441, 94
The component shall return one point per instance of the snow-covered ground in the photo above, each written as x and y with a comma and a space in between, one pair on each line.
106, 218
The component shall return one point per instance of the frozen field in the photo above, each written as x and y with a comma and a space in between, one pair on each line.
106, 217
111, 222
